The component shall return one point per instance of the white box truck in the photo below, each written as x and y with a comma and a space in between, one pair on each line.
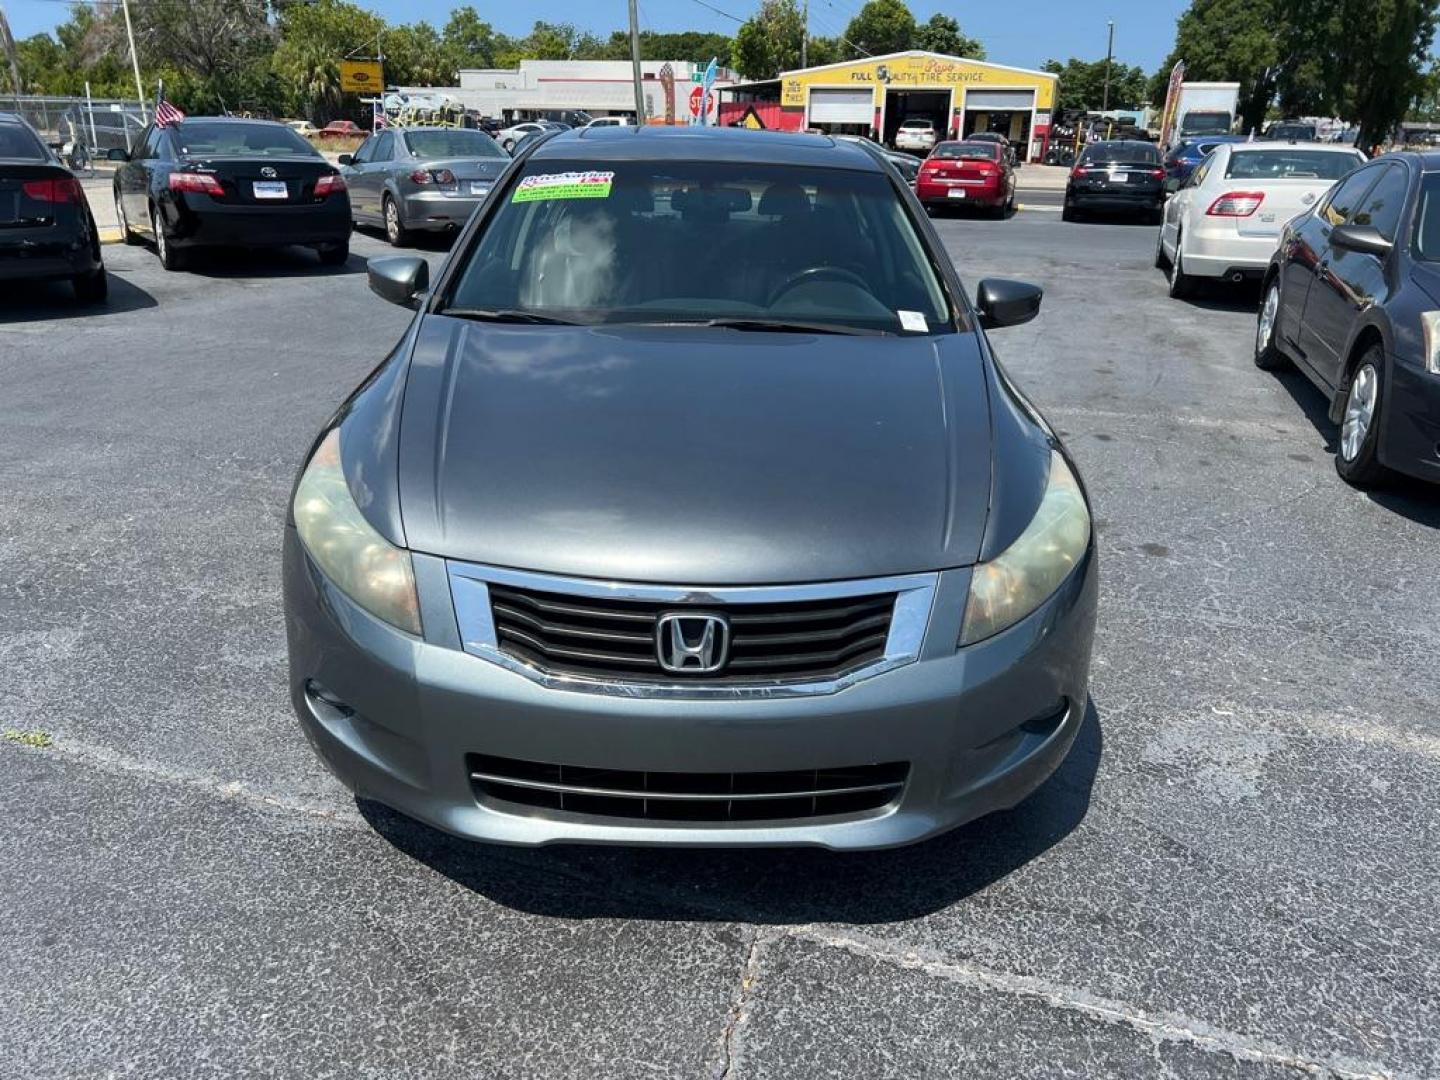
1205, 108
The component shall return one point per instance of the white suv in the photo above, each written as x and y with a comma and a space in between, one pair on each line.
917, 136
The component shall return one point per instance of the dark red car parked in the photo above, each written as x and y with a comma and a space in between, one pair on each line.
967, 174
342, 129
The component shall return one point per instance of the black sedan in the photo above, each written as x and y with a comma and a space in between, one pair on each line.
46, 229
1119, 175
1352, 297
220, 182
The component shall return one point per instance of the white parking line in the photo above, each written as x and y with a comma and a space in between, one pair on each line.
1042, 209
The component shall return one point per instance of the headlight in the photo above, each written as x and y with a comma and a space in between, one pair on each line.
363, 564
1430, 321
1018, 580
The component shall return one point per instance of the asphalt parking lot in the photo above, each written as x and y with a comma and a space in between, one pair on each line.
1233, 875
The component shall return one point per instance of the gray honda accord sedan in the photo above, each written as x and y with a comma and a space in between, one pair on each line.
692, 508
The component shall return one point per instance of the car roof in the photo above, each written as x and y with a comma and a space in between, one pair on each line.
1120, 142
652, 143
231, 120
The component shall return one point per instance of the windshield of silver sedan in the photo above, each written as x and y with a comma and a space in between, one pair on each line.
730, 244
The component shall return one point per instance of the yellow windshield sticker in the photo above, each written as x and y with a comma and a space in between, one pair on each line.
566, 185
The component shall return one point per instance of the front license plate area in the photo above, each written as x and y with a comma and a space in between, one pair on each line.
271, 189
956, 193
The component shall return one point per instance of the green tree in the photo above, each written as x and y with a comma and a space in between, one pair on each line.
1082, 84
881, 26
314, 38
1373, 65
416, 55
824, 50
688, 45
470, 40
941, 34
769, 42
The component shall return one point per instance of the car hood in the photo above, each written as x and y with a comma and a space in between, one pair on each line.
694, 456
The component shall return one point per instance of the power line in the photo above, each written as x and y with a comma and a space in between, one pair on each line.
717, 11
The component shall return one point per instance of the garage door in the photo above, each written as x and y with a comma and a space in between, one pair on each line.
999, 99
842, 106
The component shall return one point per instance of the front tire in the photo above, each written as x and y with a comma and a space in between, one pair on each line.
1162, 262
1267, 356
395, 230
170, 258
1357, 458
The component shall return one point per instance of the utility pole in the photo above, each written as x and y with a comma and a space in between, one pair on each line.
1109, 52
135, 62
635, 63
805, 36
8, 43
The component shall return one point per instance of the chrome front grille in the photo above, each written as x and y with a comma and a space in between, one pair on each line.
676, 796
616, 638
593, 636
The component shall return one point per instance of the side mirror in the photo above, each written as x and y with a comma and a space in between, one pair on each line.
1364, 238
117, 154
1007, 303
401, 279
346, 159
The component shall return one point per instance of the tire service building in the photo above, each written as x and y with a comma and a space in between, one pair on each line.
874, 95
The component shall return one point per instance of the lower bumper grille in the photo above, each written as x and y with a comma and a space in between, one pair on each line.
673, 796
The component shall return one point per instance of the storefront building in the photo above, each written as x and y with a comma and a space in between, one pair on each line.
872, 97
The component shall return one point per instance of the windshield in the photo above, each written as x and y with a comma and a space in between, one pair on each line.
456, 143
968, 150
1290, 164
240, 140
1127, 153
917, 125
1205, 123
1292, 131
687, 242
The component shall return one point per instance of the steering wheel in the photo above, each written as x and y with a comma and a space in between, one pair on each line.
816, 273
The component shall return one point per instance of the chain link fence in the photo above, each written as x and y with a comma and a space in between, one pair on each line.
85, 130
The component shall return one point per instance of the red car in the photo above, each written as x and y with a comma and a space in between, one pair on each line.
342, 129
967, 174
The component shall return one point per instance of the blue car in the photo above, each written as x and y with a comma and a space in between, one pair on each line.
1180, 162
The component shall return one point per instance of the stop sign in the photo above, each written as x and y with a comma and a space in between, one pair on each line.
696, 97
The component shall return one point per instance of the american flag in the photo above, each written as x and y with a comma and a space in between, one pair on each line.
167, 114
378, 119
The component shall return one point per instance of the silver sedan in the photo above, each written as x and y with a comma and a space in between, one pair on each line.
421, 179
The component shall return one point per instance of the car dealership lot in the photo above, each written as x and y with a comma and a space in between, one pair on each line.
1232, 875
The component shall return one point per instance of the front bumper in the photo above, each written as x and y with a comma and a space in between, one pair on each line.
1410, 417
981, 727
437, 211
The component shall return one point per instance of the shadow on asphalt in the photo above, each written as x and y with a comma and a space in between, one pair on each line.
36, 301
774, 886
1412, 499
265, 263
418, 241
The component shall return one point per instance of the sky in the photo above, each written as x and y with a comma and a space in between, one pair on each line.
1023, 33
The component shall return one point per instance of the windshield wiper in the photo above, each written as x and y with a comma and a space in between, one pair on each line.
507, 315
784, 326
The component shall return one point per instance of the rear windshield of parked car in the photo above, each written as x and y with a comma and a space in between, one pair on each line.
457, 143
967, 150
17, 142
924, 125
1290, 164
687, 242
240, 140
1128, 153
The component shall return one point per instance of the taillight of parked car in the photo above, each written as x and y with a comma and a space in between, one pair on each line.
1236, 204
1157, 174
433, 176
65, 190
329, 185
197, 183
1078, 170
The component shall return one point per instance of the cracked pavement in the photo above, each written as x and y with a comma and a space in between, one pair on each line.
1232, 875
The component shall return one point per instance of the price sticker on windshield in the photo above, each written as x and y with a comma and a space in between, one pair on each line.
566, 185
